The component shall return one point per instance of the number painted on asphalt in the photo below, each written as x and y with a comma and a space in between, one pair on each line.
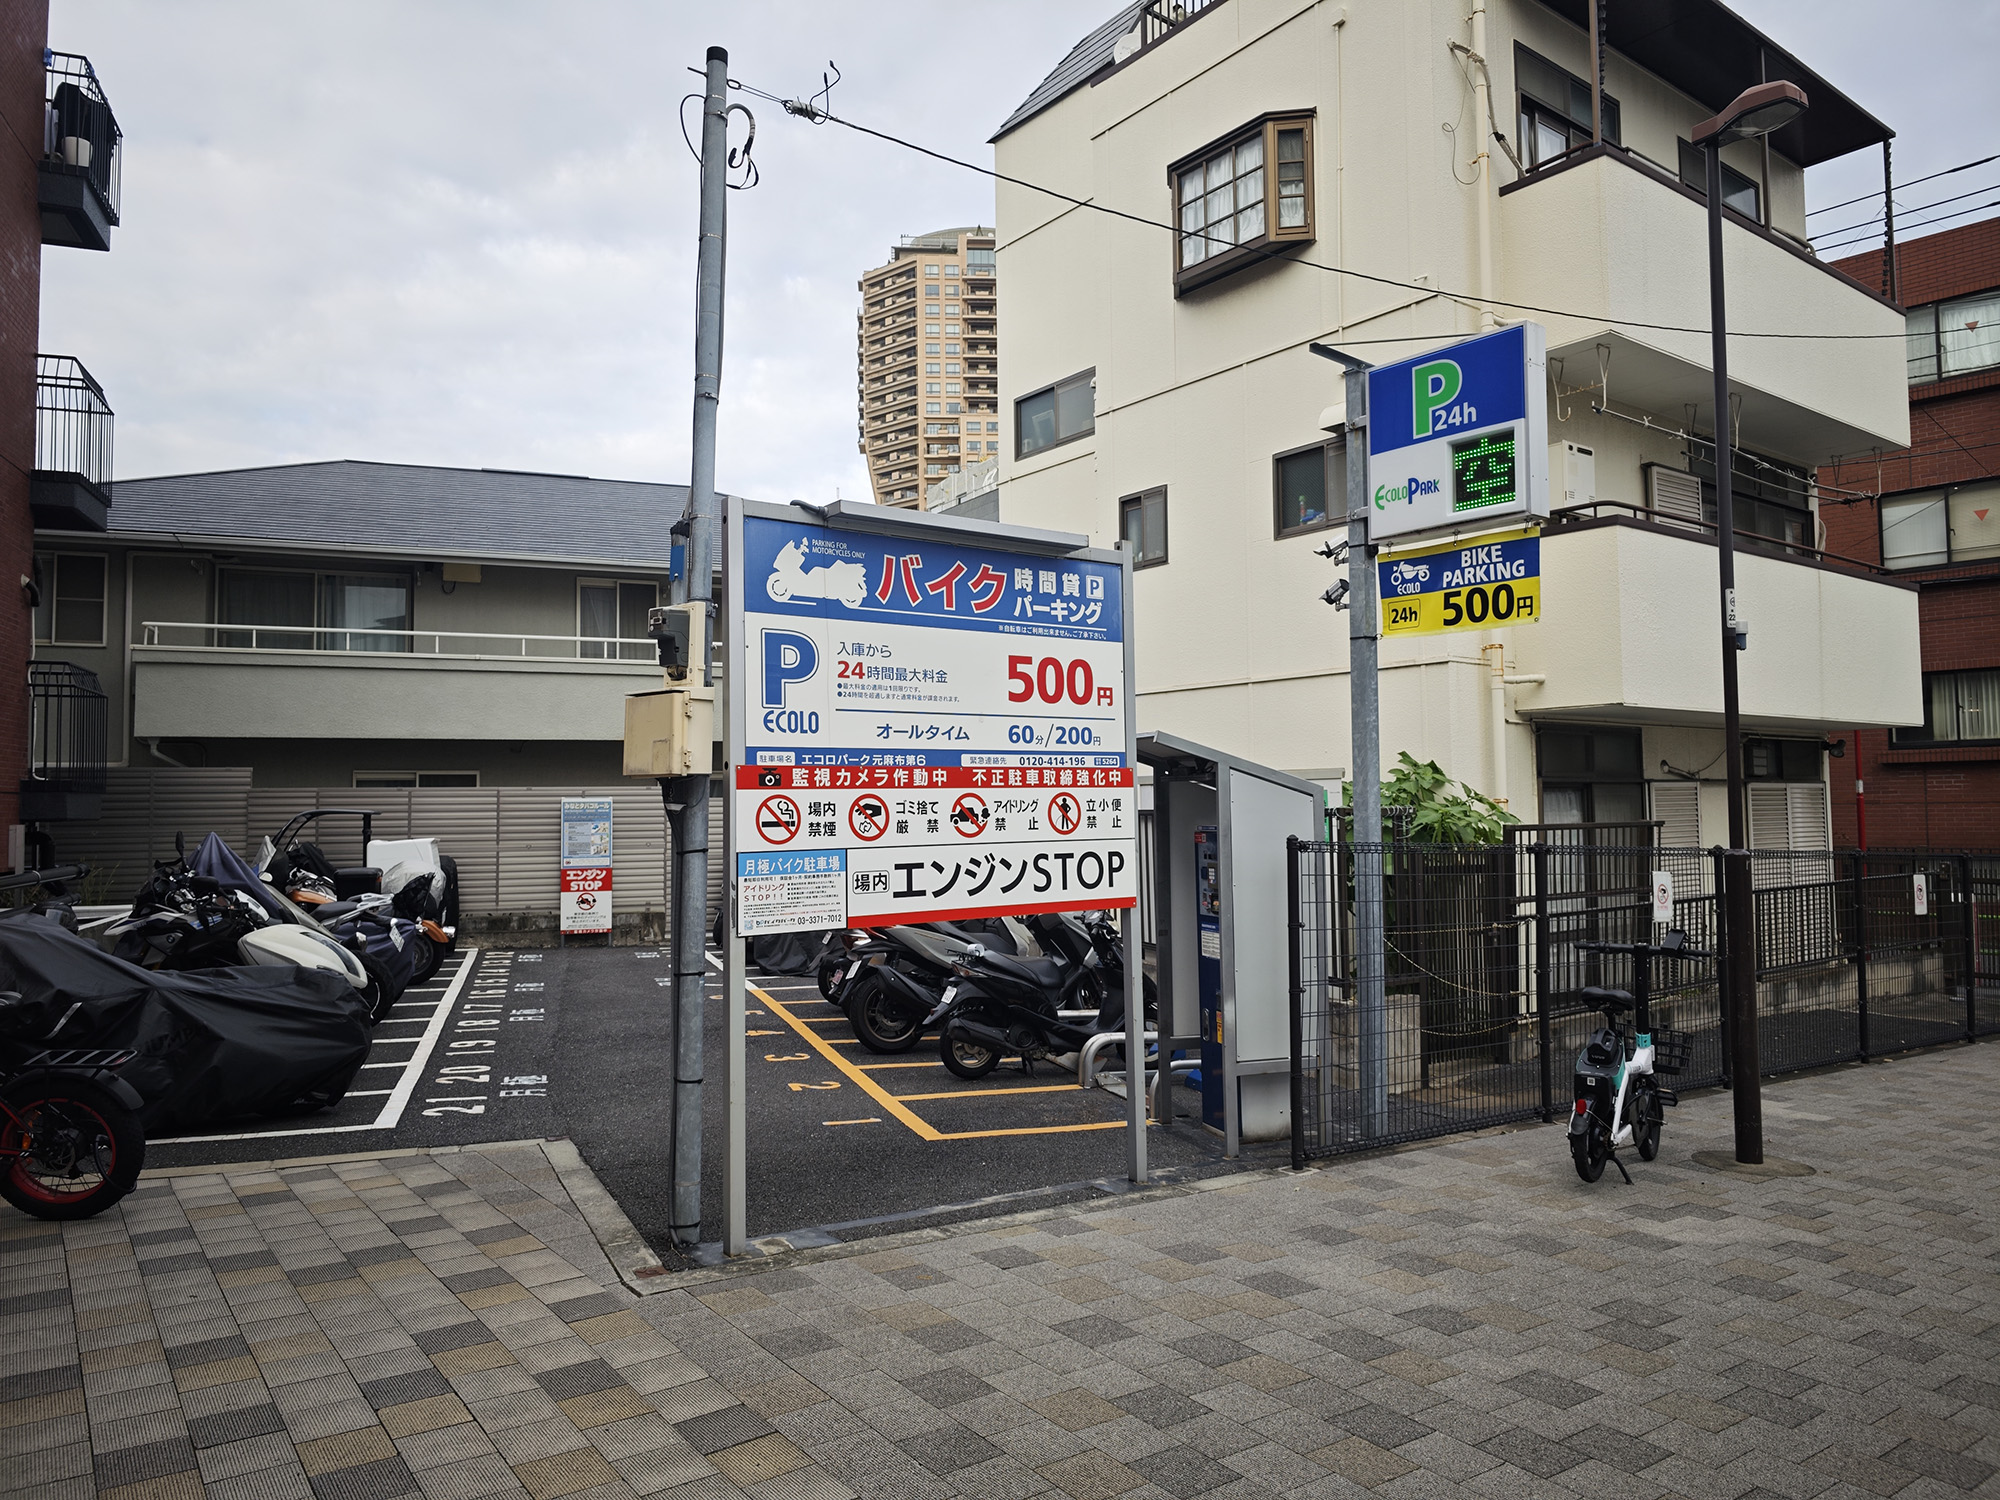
788, 1057
800, 1087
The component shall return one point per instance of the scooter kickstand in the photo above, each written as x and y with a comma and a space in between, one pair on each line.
1621, 1169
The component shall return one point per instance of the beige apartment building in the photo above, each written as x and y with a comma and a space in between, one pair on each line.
928, 366
1248, 152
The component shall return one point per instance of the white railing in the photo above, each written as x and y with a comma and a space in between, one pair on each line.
184, 635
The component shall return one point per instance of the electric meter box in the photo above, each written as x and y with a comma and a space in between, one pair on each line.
670, 732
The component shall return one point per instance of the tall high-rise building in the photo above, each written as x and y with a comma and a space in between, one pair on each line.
928, 383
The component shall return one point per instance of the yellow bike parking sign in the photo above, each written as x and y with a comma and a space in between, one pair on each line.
1473, 584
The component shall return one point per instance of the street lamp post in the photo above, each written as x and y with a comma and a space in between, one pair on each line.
1754, 112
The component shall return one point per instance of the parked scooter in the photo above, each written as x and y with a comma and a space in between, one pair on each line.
893, 981
996, 1005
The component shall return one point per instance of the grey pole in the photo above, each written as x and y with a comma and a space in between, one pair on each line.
1364, 685
1739, 918
1365, 712
1129, 930
687, 796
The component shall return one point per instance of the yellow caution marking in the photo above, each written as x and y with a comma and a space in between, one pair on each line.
1050, 1088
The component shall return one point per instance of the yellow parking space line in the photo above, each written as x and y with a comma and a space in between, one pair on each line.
869, 1120
878, 1067
980, 1135
854, 1075
1048, 1088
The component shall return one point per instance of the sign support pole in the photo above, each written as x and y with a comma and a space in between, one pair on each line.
1132, 932
1365, 690
736, 1157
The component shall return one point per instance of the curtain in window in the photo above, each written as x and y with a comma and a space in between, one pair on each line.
1921, 327
635, 604
1914, 532
352, 606
1969, 333
264, 600
1978, 706
597, 615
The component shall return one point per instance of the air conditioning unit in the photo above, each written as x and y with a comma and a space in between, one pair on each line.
1673, 494
1572, 474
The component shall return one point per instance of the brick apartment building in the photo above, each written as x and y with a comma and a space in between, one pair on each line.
1936, 524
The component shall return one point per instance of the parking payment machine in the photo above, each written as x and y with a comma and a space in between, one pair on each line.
1219, 828
1208, 921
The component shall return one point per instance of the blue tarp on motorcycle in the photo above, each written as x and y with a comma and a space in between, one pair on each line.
212, 1044
226, 868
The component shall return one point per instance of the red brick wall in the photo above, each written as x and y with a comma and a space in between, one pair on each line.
24, 29
1928, 798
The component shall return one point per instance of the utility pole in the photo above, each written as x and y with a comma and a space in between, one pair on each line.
687, 796
1365, 714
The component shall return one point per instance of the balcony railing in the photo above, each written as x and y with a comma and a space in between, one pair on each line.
366, 640
82, 153
1621, 512
71, 488
68, 714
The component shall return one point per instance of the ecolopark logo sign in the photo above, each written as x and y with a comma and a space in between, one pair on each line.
1458, 437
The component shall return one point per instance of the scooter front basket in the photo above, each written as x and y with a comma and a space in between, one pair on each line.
1671, 1050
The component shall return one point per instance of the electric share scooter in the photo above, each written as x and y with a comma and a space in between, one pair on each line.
1618, 1096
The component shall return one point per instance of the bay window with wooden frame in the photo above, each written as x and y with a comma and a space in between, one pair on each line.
1240, 199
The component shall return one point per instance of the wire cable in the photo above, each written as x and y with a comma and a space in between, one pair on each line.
1957, 213
1921, 208
1964, 166
821, 116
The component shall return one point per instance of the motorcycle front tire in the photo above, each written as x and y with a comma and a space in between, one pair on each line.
71, 1112
882, 1024
968, 1059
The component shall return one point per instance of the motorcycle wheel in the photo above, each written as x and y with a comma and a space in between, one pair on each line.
881, 1023
1646, 1125
1590, 1152
968, 1059
831, 972
68, 1147
430, 957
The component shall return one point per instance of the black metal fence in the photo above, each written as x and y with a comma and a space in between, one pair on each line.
73, 423
80, 136
1858, 954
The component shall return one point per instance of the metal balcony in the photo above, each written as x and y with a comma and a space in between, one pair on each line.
81, 152
68, 716
71, 486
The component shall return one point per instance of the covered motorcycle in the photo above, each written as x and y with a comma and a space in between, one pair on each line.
208, 1044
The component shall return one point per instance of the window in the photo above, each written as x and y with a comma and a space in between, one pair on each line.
1738, 192
931, 388
992, 426
979, 262
951, 270
1555, 109
1954, 338
1771, 499
931, 408
1242, 195
415, 778
1939, 527
610, 608
931, 311
930, 271
951, 387
1063, 412
1781, 760
356, 605
931, 369
1590, 776
1304, 480
1959, 707
953, 405
1142, 521
263, 599
70, 611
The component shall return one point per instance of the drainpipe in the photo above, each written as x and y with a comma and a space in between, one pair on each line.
1482, 111
1495, 653
153, 746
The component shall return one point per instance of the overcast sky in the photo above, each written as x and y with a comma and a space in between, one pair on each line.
462, 231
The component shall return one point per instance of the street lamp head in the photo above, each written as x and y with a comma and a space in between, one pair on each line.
1754, 112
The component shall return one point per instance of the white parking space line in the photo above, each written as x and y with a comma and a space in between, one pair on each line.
397, 1098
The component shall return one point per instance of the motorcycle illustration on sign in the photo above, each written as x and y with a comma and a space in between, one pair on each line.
844, 582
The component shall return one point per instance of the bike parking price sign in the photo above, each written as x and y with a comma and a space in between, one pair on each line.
1489, 581
1459, 437
941, 708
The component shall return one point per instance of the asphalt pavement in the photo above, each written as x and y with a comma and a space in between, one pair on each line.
576, 1042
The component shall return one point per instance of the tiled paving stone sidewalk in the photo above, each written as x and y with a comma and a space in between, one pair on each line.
1465, 1319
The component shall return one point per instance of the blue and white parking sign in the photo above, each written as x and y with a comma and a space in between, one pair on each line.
1458, 437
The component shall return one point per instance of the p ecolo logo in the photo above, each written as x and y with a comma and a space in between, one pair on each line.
1407, 492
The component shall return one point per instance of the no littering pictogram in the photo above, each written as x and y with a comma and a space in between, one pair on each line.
1065, 813
778, 820
869, 818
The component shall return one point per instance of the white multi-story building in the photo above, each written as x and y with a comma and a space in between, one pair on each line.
1159, 383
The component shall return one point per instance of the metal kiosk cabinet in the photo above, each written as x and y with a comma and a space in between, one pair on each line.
1219, 828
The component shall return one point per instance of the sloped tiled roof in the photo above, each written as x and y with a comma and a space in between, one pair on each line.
399, 509
1077, 69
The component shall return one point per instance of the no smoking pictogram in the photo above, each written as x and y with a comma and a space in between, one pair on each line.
968, 815
778, 820
1065, 813
869, 818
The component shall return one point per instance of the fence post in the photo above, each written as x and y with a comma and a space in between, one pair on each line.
1294, 930
1859, 862
1544, 1038
1969, 939
1721, 948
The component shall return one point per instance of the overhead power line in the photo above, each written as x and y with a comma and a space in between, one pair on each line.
1919, 209
1964, 166
1957, 213
821, 116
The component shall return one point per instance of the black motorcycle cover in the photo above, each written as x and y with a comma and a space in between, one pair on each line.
211, 1043
220, 863
779, 952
